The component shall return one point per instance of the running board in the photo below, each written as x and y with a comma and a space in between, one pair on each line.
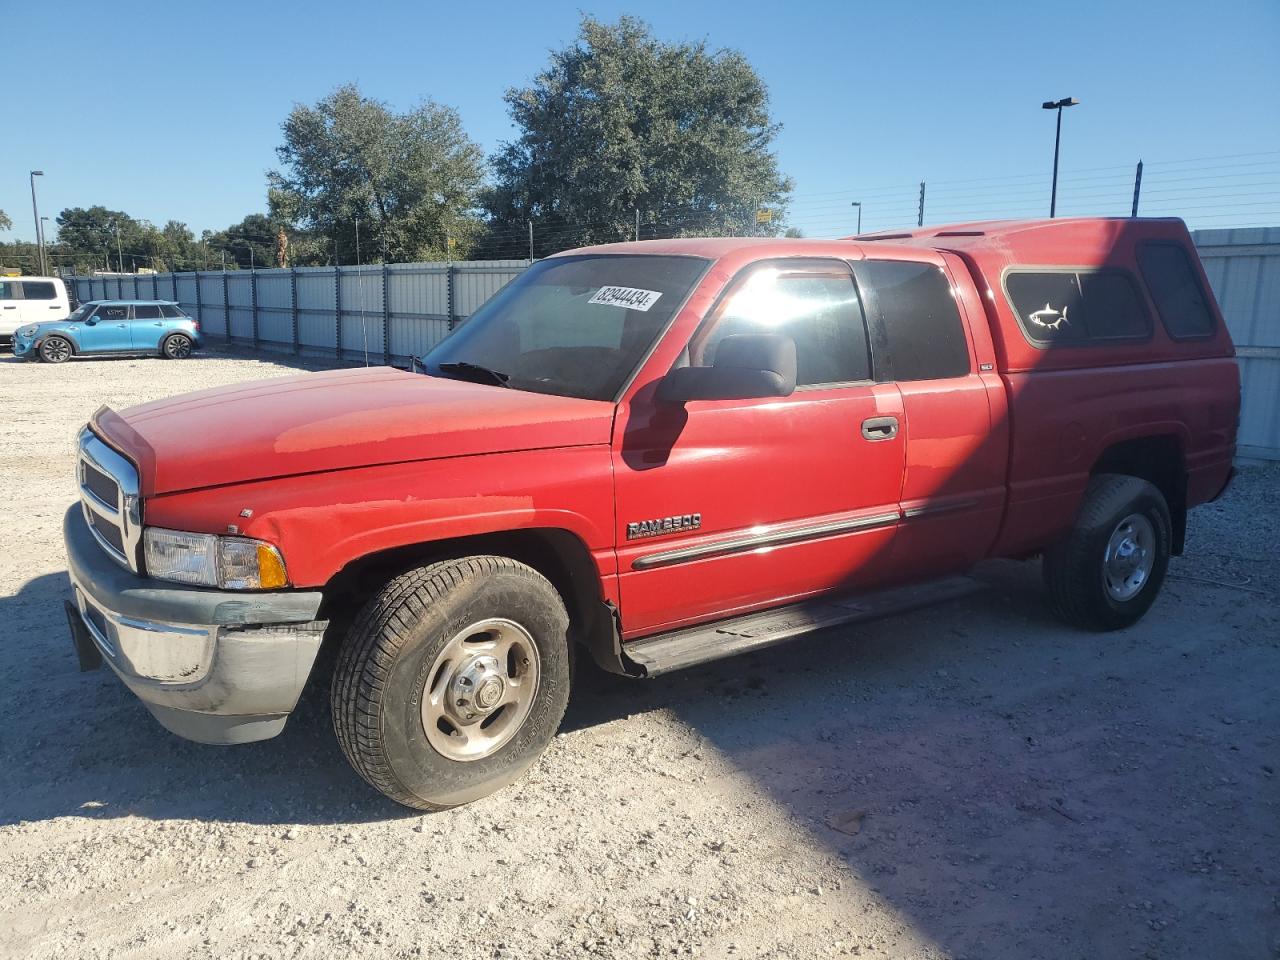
755, 631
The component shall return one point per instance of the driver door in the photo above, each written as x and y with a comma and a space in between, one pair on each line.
107, 331
727, 506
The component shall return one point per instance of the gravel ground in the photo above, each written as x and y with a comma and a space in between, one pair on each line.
973, 780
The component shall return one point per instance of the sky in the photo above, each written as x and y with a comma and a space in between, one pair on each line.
173, 110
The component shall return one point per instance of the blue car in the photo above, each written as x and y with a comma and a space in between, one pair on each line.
111, 327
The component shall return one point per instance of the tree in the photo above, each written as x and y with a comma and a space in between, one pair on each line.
249, 243
5, 222
410, 178
620, 122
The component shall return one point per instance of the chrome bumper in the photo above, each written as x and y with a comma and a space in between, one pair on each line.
214, 666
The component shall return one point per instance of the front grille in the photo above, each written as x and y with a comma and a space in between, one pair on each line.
109, 498
99, 484
108, 531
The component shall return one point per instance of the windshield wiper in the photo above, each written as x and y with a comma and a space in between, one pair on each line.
495, 377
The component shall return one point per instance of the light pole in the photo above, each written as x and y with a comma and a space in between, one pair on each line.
1057, 140
119, 254
35, 213
44, 244
858, 204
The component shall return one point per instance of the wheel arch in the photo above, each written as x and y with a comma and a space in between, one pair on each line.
558, 554
1161, 461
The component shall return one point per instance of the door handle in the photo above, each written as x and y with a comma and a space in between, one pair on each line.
879, 428
11, 308
158, 323
55, 307
121, 326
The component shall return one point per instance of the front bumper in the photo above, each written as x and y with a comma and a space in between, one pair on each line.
23, 346
215, 666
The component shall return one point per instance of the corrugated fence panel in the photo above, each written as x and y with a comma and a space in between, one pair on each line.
213, 318
474, 284
275, 306
418, 301
1243, 266
362, 311
240, 305
315, 308
187, 293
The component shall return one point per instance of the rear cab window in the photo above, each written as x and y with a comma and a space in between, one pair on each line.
921, 334
1081, 307
1176, 290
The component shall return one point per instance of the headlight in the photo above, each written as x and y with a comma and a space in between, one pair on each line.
206, 560
28, 331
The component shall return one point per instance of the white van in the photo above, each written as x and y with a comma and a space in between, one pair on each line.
26, 300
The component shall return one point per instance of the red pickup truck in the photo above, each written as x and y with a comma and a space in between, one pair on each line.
657, 454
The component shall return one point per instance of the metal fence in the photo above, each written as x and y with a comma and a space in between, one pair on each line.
388, 312
1243, 266
402, 309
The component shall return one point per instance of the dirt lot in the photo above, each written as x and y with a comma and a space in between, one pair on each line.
973, 780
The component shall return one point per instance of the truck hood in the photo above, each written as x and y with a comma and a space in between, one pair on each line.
337, 420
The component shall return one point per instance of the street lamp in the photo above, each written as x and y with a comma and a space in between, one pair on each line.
35, 213
858, 204
44, 243
1057, 139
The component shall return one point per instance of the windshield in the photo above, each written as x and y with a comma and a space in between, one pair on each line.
571, 326
82, 311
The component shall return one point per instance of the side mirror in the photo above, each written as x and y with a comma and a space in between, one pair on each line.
89, 321
747, 366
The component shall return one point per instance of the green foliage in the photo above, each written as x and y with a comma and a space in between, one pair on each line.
249, 243
621, 121
410, 178
5, 222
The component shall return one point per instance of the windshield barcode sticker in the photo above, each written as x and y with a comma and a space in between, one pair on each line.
628, 297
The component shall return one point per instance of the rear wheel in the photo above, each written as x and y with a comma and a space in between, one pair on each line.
177, 346
55, 350
1107, 572
452, 680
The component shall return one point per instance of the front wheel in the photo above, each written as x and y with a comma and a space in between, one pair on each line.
55, 350
1107, 572
177, 346
453, 680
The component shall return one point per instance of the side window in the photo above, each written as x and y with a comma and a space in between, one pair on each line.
39, 290
146, 311
813, 302
112, 314
169, 310
1077, 306
1179, 297
922, 326
10, 290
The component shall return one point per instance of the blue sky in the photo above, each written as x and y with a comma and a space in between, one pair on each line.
172, 110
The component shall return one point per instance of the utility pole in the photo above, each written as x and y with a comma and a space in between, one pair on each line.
637, 223
35, 212
920, 212
1057, 141
119, 253
858, 204
531, 242
1137, 189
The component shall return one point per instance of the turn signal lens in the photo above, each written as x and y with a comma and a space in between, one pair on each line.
270, 567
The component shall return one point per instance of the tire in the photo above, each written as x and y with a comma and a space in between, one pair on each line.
176, 346
1094, 580
56, 350
404, 647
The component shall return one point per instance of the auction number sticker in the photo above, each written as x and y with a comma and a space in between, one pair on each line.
629, 297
